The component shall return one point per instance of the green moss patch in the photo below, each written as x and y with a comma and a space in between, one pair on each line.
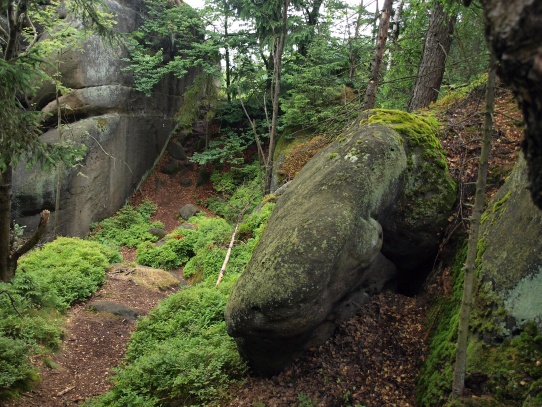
418, 131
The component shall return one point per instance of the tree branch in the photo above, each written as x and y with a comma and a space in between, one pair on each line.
230, 246
30, 243
12, 301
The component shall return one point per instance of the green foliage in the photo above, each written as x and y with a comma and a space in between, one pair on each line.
129, 227
169, 41
181, 353
70, 268
228, 150
48, 281
16, 372
435, 380
318, 97
238, 187
173, 253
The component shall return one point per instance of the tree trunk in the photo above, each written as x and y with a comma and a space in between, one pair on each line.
514, 34
277, 58
472, 250
374, 78
352, 44
227, 56
6, 273
433, 63
394, 35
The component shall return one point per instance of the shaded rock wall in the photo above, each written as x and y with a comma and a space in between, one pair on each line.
124, 132
510, 256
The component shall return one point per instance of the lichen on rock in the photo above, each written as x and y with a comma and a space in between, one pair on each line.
334, 239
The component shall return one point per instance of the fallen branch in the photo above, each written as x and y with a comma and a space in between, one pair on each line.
230, 246
12, 302
30, 243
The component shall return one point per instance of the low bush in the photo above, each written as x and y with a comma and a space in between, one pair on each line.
47, 282
238, 188
181, 354
129, 227
173, 253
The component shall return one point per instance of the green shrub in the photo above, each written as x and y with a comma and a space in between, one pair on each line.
239, 187
175, 251
70, 268
129, 227
16, 372
180, 354
47, 282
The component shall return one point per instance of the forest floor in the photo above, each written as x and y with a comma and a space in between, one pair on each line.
372, 360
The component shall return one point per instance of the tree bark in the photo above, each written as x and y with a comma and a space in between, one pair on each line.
352, 44
433, 63
277, 58
514, 35
472, 250
374, 78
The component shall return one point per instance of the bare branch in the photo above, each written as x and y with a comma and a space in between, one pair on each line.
30, 243
12, 301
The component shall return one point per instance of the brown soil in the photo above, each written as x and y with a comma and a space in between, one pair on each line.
94, 343
372, 360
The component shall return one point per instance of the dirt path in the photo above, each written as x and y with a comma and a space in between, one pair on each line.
94, 342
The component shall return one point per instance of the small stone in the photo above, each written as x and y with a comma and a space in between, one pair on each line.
187, 211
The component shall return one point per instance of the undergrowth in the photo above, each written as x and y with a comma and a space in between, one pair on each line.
48, 281
128, 227
434, 382
181, 353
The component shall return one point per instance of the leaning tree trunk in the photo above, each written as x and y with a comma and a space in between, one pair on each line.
513, 28
472, 250
433, 62
374, 78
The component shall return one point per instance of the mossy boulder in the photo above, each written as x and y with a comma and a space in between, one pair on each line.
507, 314
336, 237
504, 356
510, 260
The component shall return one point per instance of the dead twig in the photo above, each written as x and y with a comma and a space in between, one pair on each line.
230, 246
12, 301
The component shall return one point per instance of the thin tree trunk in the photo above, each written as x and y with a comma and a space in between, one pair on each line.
470, 266
227, 56
59, 166
354, 54
277, 57
374, 79
433, 63
394, 33
5, 223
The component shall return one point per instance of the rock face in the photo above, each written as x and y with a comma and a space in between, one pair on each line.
510, 254
124, 132
344, 228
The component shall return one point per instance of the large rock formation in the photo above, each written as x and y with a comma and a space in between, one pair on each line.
510, 260
124, 132
504, 353
366, 208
